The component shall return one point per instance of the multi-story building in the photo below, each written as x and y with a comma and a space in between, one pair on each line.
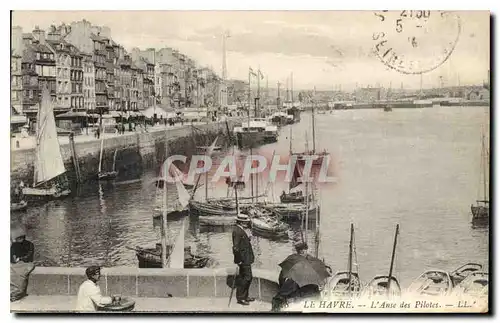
61, 50
99, 58
76, 76
125, 63
16, 82
148, 84
158, 84
88, 83
37, 60
134, 86
111, 67
31, 91
91, 40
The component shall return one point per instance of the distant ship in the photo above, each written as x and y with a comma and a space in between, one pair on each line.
481, 211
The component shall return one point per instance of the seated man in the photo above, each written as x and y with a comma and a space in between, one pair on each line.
21, 263
89, 293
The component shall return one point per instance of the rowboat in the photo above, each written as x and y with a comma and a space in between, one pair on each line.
107, 175
294, 197
379, 287
459, 274
343, 285
432, 283
475, 285
291, 211
19, 206
151, 257
269, 227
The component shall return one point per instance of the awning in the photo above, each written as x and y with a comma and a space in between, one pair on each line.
72, 114
18, 119
115, 113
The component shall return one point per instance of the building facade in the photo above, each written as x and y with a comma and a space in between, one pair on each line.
89, 102
16, 82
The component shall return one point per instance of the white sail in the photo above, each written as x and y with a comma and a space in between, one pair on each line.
182, 193
176, 259
49, 162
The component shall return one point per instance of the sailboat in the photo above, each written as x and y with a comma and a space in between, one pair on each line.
345, 284
180, 207
385, 286
165, 255
481, 211
176, 172
106, 175
48, 179
320, 155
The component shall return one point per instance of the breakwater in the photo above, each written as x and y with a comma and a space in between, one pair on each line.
134, 151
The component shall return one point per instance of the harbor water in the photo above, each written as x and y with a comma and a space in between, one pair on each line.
416, 167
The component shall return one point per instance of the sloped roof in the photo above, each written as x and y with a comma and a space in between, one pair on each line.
96, 37
28, 56
41, 48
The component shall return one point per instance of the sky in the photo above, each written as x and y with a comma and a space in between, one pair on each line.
323, 49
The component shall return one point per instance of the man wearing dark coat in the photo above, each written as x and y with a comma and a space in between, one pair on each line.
243, 257
289, 289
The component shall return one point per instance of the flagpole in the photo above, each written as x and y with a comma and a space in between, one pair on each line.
249, 92
257, 105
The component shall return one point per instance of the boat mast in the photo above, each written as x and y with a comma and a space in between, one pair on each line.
35, 171
114, 160
313, 122
317, 229
392, 259
164, 227
100, 154
350, 257
291, 86
484, 162
307, 200
251, 178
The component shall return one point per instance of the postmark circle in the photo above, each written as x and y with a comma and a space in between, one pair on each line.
415, 41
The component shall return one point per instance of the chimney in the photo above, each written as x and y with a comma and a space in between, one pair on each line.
17, 44
39, 35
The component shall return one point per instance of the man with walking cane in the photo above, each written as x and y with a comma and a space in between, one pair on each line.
244, 258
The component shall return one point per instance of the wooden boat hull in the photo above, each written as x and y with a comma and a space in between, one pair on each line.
254, 139
432, 283
203, 209
378, 287
217, 220
20, 206
160, 183
172, 215
338, 285
271, 231
462, 272
293, 198
107, 175
475, 285
151, 258
480, 214
292, 212
37, 194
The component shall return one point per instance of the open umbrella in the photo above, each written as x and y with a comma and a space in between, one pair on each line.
304, 270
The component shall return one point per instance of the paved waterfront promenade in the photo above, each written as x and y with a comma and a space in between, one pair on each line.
64, 303
30, 142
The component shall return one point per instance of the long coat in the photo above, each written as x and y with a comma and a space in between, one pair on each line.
242, 248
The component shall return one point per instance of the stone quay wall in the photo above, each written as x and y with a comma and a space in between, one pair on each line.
152, 283
134, 151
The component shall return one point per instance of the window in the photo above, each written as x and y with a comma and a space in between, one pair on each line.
30, 94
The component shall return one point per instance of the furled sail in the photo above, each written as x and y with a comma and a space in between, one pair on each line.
176, 259
49, 162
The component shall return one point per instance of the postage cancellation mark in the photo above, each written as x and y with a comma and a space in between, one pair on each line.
415, 41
